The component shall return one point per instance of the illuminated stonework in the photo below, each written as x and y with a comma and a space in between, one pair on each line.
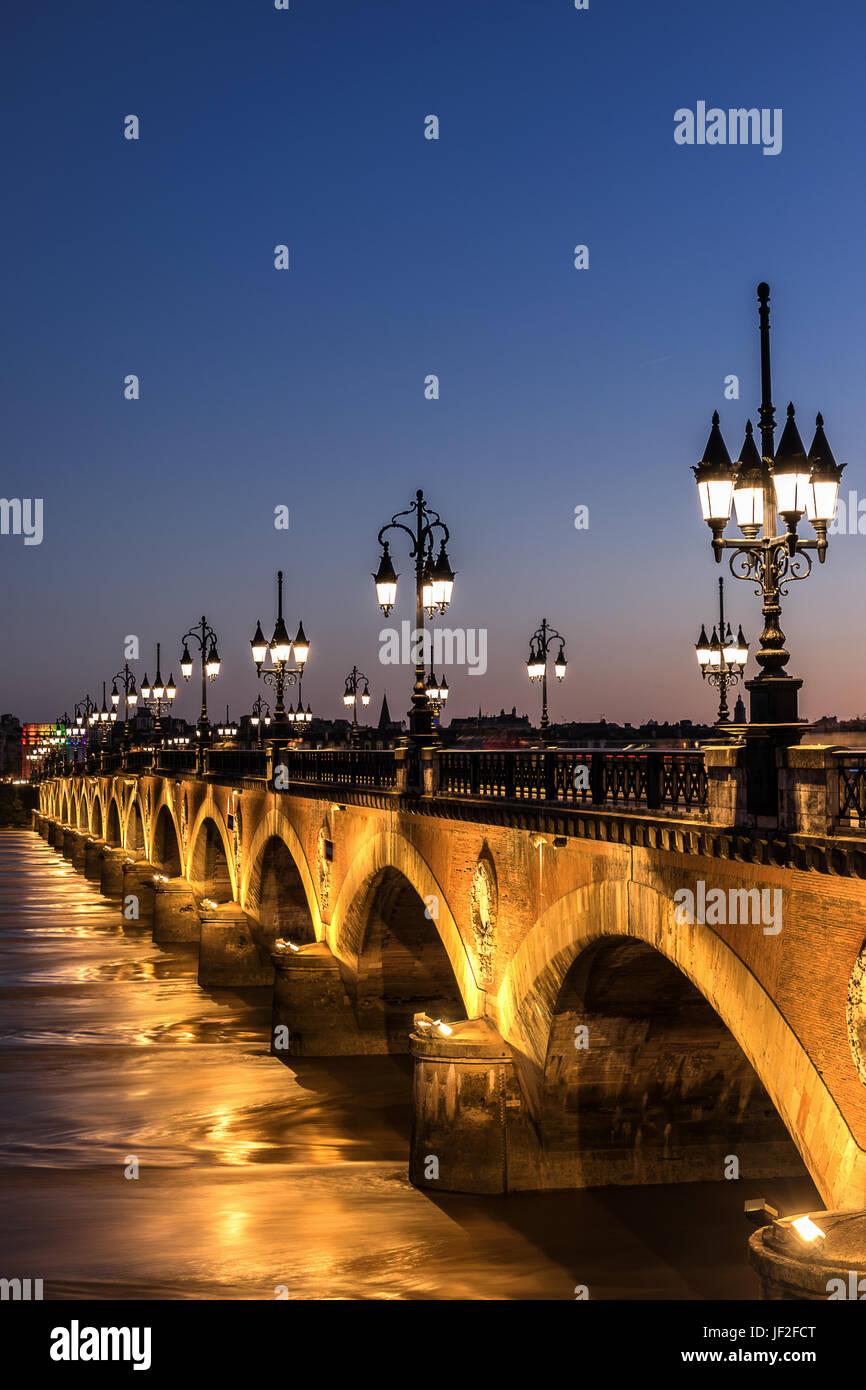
484, 902
855, 1013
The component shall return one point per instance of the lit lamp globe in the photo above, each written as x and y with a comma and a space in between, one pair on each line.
714, 476
258, 646
560, 665
385, 580
791, 476
749, 488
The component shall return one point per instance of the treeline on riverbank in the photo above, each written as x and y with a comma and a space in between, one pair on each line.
16, 803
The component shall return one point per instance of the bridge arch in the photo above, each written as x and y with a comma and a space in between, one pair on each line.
166, 851
96, 826
277, 887
553, 970
210, 865
133, 839
113, 823
401, 958
65, 811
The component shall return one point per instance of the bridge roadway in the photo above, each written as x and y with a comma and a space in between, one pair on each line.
532, 902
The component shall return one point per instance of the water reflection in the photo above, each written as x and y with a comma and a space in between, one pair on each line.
254, 1174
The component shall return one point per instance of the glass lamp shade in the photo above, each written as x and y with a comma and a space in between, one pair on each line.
715, 657
302, 646
740, 652
258, 646
427, 591
158, 689
115, 696
365, 698
281, 647
385, 580
170, 689
132, 697
186, 664
113, 715
212, 667
254, 720
702, 648
560, 665
309, 714
443, 580
714, 476
749, 486
823, 491
145, 688
79, 721
348, 699
443, 689
267, 719
791, 472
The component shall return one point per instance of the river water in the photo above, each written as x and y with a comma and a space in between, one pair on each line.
256, 1177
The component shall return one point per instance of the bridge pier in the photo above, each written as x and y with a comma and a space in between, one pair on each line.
470, 1128
311, 1002
74, 848
228, 955
93, 858
55, 835
175, 917
791, 1269
137, 883
111, 871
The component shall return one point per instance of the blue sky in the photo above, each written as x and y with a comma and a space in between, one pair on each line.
305, 388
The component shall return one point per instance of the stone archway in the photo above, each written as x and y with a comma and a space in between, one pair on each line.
643, 1083
112, 824
209, 863
526, 1007
276, 896
166, 844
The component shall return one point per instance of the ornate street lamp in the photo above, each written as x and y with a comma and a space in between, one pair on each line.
158, 696
434, 584
130, 697
722, 658
280, 674
536, 666
437, 694
206, 638
785, 482
352, 694
260, 717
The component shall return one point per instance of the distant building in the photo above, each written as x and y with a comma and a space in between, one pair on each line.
10, 746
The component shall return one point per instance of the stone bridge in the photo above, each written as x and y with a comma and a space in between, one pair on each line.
520, 928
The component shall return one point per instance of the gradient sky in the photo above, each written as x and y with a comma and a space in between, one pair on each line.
409, 257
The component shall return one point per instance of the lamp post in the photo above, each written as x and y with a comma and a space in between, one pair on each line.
130, 697
437, 694
722, 658
434, 584
83, 718
352, 694
258, 716
103, 718
205, 636
280, 674
158, 695
786, 483
536, 666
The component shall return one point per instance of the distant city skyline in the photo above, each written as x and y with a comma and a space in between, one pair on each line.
307, 388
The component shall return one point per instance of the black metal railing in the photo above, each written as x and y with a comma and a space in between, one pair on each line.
349, 767
651, 780
236, 762
852, 788
176, 759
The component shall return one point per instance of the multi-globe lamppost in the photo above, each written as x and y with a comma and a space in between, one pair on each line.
352, 694
130, 697
536, 666
205, 636
786, 483
259, 717
281, 673
722, 658
157, 696
434, 584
